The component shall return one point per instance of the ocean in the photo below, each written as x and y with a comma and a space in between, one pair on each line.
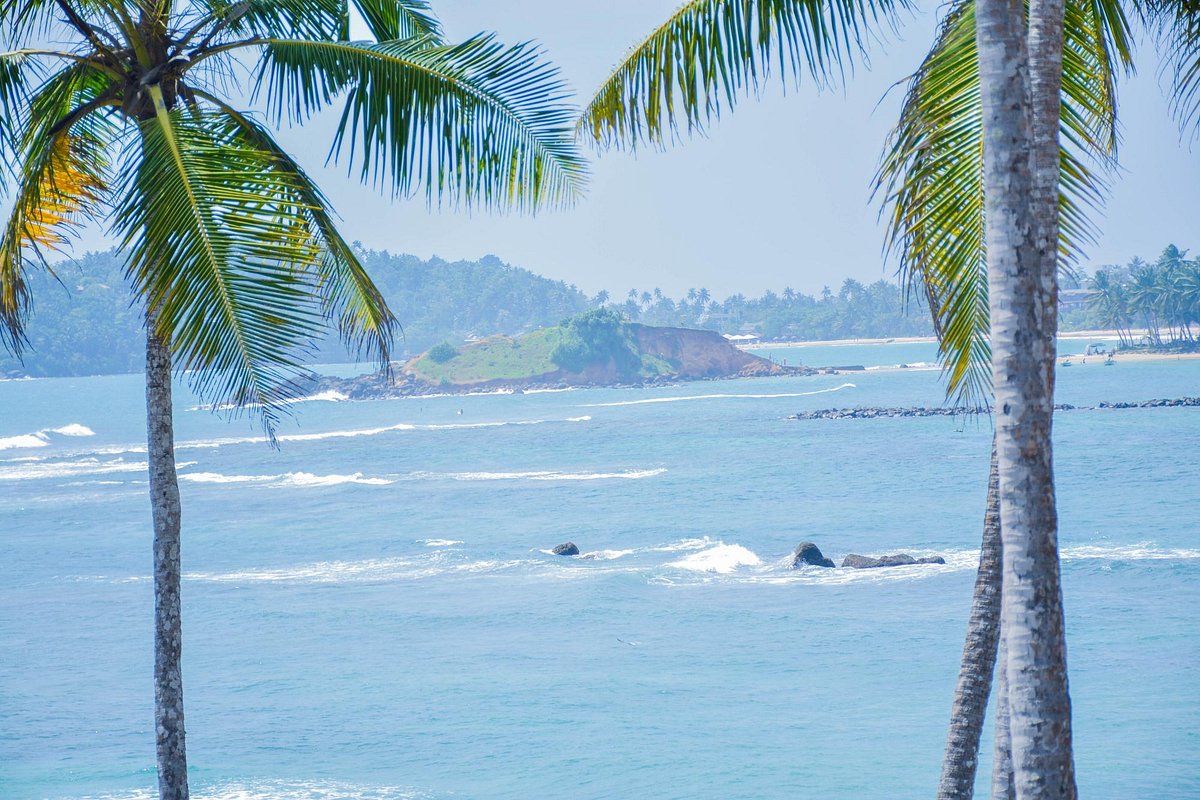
371, 611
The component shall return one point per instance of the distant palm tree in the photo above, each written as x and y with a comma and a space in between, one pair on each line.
232, 250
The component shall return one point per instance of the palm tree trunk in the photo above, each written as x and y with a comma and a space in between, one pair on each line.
1022, 324
168, 631
1002, 766
961, 758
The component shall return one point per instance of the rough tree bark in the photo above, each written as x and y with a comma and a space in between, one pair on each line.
1022, 326
961, 759
168, 630
1002, 774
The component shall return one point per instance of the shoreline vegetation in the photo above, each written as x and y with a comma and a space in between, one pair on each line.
597, 348
602, 349
85, 325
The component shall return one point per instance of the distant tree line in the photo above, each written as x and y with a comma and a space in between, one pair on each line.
855, 311
83, 324
1162, 298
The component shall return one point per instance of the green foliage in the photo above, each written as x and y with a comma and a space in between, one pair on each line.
86, 325
231, 251
931, 176
1162, 297
494, 358
441, 353
855, 311
596, 337
710, 52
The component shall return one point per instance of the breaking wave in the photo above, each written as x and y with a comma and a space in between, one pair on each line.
686, 562
351, 433
328, 396
683, 398
42, 438
280, 790
722, 559
552, 475
293, 479
40, 470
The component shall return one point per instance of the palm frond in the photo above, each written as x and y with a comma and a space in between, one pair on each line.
391, 20
220, 248
931, 175
350, 300
711, 52
474, 122
1176, 26
64, 168
320, 19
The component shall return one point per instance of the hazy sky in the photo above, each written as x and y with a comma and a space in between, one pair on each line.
777, 194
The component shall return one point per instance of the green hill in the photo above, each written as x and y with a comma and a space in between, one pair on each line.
598, 346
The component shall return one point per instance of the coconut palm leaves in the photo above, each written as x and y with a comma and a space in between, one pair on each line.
231, 246
711, 52
1176, 25
476, 120
931, 175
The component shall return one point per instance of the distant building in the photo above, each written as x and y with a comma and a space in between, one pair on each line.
1074, 299
742, 338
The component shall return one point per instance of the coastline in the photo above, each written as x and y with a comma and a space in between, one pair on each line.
1071, 335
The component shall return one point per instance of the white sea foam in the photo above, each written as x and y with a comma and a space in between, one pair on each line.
606, 555
722, 559
73, 429
684, 398
27, 440
308, 479
357, 432
278, 790
553, 475
42, 438
289, 479
40, 470
381, 570
1140, 551
328, 396
439, 542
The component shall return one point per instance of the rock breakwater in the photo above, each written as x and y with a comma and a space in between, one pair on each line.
960, 411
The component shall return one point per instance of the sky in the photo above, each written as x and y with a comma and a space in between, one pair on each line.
776, 194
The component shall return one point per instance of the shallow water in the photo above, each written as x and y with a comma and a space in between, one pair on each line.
371, 611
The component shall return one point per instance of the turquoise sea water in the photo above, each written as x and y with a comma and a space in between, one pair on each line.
370, 611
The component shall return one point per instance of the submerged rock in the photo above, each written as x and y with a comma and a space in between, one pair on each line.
809, 553
855, 561
566, 549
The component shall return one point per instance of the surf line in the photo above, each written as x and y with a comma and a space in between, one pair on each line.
718, 397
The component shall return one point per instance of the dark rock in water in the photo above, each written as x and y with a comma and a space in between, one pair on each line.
566, 549
809, 553
855, 561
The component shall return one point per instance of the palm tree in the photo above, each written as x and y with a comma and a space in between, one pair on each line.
232, 250
709, 52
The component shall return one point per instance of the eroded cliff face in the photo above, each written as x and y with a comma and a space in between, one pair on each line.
695, 354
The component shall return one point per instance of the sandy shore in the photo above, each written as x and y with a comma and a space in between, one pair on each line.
1071, 335
1076, 360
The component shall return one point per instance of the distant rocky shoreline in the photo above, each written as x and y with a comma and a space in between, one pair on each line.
383, 386
960, 411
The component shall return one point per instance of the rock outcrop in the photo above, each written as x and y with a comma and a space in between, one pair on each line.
566, 549
808, 553
855, 561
